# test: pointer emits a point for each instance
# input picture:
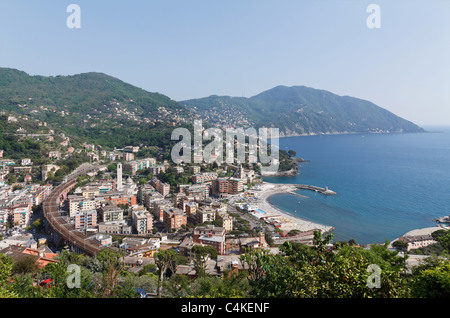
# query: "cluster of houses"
(106, 207)
(7, 166)
(16, 204)
(98, 207)
(22, 246)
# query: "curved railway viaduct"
(62, 230)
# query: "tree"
(444, 240)
(164, 259)
(12, 179)
(38, 224)
(322, 271)
(26, 265)
(292, 153)
(112, 167)
(201, 255)
(150, 268)
(438, 233)
(112, 267)
(432, 282)
(60, 276)
(6, 265)
(402, 245)
(232, 285)
(178, 286)
(269, 239)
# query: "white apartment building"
(142, 220)
(78, 204)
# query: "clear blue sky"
(195, 48)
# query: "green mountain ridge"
(101, 109)
(76, 92)
(92, 106)
(300, 110)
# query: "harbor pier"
(325, 190)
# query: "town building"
(174, 218)
(78, 203)
(242, 244)
(55, 154)
(6, 163)
(212, 236)
(142, 220)
(41, 256)
(225, 186)
(157, 169)
(46, 169)
(102, 239)
(133, 166)
(111, 212)
(205, 214)
(198, 191)
(116, 227)
(191, 209)
(148, 249)
(143, 190)
(22, 170)
(131, 149)
(160, 186)
(158, 207)
(178, 169)
(26, 162)
(204, 177)
(417, 241)
(150, 198)
(21, 214)
(194, 169)
(227, 220)
(83, 220)
(128, 156)
(121, 198)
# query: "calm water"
(386, 184)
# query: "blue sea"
(386, 184)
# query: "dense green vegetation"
(16, 148)
(95, 107)
(80, 93)
(287, 161)
(303, 110)
(299, 271)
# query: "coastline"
(282, 135)
(288, 221)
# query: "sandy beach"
(288, 221)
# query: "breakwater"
(325, 190)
